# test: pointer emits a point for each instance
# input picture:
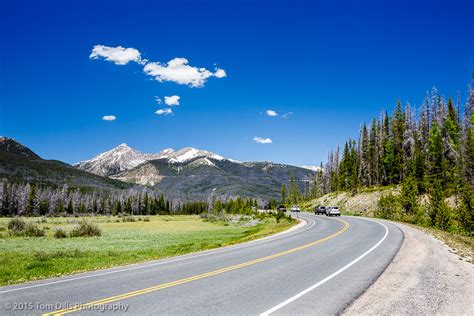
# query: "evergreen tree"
(315, 187)
(32, 202)
(283, 194)
(373, 157)
(364, 171)
(398, 132)
(440, 214)
(128, 206)
(435, 152)
(465, 209)
(70, 208)
(409, 196)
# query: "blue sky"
(333, 64)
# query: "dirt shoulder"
(425, 278)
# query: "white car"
(295, 208)
(333, 211)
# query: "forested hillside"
(426, 150)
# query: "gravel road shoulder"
(425, 278)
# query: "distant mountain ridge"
(19, 163)
(188, 174)
(194, 174)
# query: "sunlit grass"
(23, 259)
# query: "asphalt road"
(319, 268)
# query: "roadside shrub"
(389, 207)
(212, 217)
(16, 224)
(466, 205)
(279, 216)
(85, 229)
(42, 220)
(18, 227)
(31, 230)
(440, 213)
(60, 233)
(128, 219)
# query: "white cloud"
(261, 140)
(178, 70)
(271, 113)
(167, 111)
(287, 115)
(172, 100)
(109, 117)
(118, 55)
(220, 73)
(158, 100)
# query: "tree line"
(31, 199)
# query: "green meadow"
(122, 241)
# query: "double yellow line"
(95, 304)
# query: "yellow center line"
(95, 304)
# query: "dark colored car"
(281, 208)
(320, 210)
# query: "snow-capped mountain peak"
(115, 160)
(124, 157)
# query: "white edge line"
(306, 291)
(202, 254)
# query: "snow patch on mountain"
(203, 162)
(313, 168)
(190, 153)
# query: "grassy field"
(28, 258)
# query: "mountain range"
(195, 174)
(185, 174)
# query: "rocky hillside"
(203, 178)
(12, 146)
(362, 203)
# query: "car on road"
(320, 210)
(281, 208)
(295, 208)
(333, 211)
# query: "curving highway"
(318, 268)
